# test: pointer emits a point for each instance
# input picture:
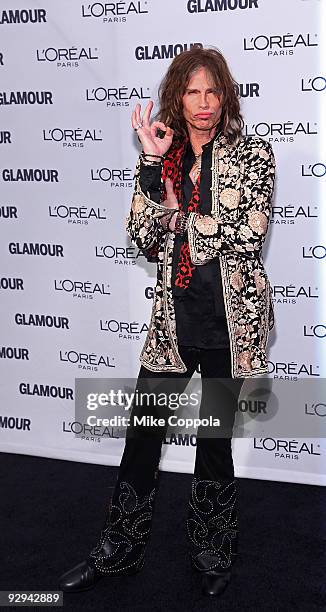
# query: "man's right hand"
(152, 144)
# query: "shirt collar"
(207, 146)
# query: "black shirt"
(199, 309)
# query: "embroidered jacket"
(242, 187)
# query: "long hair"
(175, 82)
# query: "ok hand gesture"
(147, 133)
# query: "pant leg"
(121, 547)
(212, 519)
(142, 451)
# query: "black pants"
(212, 519)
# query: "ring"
(139, 125)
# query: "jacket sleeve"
(143, 221)
(208, 236)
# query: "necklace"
(196, 169)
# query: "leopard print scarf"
(172, 169)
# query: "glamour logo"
(117, 96)
(289, 294)
(179, 439)
(114, 12)
(248, 90)
(205, 6)
(317, 252)
(286, 449)
(123, 256)
(30, 175)
(149, 293)
(86, 361)
(42, 390)
(36, 248)
(42, 320)
(316, 331)
(318, 170)
(281, 132)
(280, 44)
(5, 137)
(316, 409)
(14, 352)
(314, 84)
(252, 406)
(125, 330)
(11, 283)
(8, 212)
(72, 139)
(34, 15)
(163, 51)
(289, 214)
(19, 423)
(85, 290)
(115, 177)
(77, 215)
(25, 97)
(67, 57)
(291, 370)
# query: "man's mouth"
(203, 115)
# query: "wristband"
(157, 161)
(181, 223)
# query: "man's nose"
(204, 100)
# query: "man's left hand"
(171, 202)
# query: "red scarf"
(172, 169)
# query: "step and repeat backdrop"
(75, 293)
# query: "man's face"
(202, 107)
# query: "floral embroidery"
(236, 280)
(244, 360)
(259, 282)
(222, 167)
(201, 256)
(240, 330)
(217, 244)
(207, 225)
(138, 203)
(233, 171)
(230, 198)
(257, 221)
(256, 363)
(246, 231)
(237, 242)
(263, 154)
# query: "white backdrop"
(70, 76)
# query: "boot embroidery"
(212, 523)
(122, 543)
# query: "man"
(200, 209)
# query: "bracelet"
(181, 223)
(151, 162)
(152, 155)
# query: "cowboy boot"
(121, 546)
(212, 531)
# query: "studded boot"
(212, 532)
(122, 543)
